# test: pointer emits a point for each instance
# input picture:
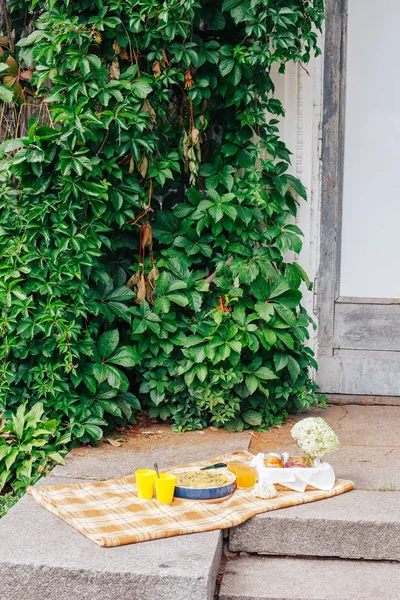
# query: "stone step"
(257, 578)
(41, 557)
(358, 525)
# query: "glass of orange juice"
(165, 487)
(232, 466)
(246, 476)
(145, 480)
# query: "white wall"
(301, 94)
(371, 196)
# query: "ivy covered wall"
(146, 209)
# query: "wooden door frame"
(333, 130)
(344, 372)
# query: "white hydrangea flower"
(315, 437)
(263, 489)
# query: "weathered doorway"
(358, 285)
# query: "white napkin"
(321, 477)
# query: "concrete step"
(256, 578)
(358, 524)
(41, 557)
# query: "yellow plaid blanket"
(110, 514)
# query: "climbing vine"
(146, 212)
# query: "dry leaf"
(154, 275)
(96, 35)
(143, 165)
(131, 165)
(141, 292)
(195, 135)
(147, 235)
(156, 68)
(119, 50)
(164, 62)
(133, 281)
(115, 71)
(115, 443)
(189, 81)
(147, 107)
(149, 291)
(18, 91)
(9, 80)
(26, 74)
(12, 65)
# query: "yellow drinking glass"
(232, 466)
(246, 476)
(145, 479)
(165, 487)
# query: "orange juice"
(232, 466)
(246, 476)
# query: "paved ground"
(141, 449)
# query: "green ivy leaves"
(6, 95)
(217, 173)
(166, 292)
(156, 117)
(145, 319)
(108, 354)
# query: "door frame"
(344, 372)
(333, 131)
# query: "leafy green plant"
(7, 501)
(28, 446)
(147, 209)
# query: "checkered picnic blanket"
(110, 514)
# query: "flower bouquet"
(315, 438)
